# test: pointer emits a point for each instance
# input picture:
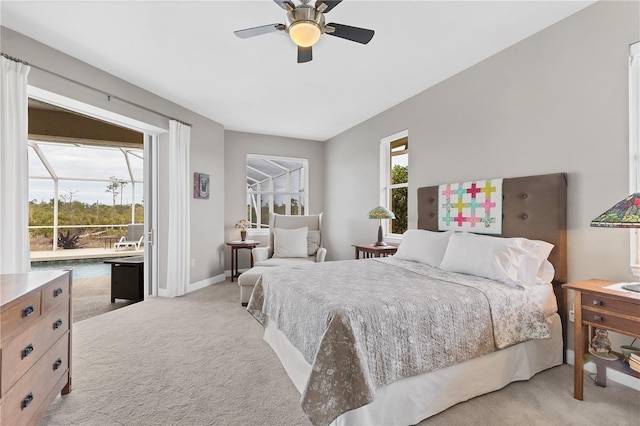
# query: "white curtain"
(14, 173)
(178, 240)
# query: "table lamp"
(381, 213)
(624, 214)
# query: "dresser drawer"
(22, 351)
(25, 398)
(609, 304)
(19, 314)
(610, 322)
(54, 293)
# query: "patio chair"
(134, 238)
(123, 243)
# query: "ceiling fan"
(305, 25)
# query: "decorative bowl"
(627, 350)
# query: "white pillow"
(290, 242)
(313, 242)
(510, 260)
(546, 273)
(420, 245)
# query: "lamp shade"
(304, 33)
(381, 213)
(625, 214)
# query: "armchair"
(264, 256)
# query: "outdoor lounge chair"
(134, 238)
(123, 243)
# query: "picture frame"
(200, 185)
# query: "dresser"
(35, 343)
(596, 306)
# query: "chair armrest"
(260, 254)
(320, 255)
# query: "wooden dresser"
(35, 343)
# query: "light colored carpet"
(200, 360)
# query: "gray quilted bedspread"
(363, 324)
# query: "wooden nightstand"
(369, 250)
(606, 309)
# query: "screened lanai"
(275, 184)
(88, 191)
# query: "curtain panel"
(178, 238)
(14, 170)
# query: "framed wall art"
(200, 185)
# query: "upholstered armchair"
(290, 243)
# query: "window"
(275, 184)
(394, 156)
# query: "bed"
(376, 353)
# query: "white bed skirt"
(410, 400)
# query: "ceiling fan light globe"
(305, 33)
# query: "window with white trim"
(278, 185)
(394, 164)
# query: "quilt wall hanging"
(471, 206)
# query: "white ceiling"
(186, 52)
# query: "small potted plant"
(242, 224)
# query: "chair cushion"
(278, 261)
(290, 242)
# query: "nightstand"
(370, 250)
(606, 309)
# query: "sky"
(75, 165)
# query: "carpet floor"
(200, 360)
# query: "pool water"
(81, 268)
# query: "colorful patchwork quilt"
(471, 206)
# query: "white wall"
(237, 146)
(207, 140)
(555, 102)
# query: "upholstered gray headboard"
(533, 207)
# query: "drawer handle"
(57, 364)
(28, 311)
(597, 302)
(27, 400)
(57, 324)
(597, 318)
(27, 350)
(57, 292)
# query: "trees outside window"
(395, 180)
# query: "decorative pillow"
(510, 260)
(290, 242)
(419, 245)
(313, 242)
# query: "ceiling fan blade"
(360, 35)
(305, 54)
(283, 4)
(330, 4)
(256, 31)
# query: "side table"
(605, 309)
(370, 250)
(235, 246)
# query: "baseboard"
(613, 375)
(206, 283)
(162, 292)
